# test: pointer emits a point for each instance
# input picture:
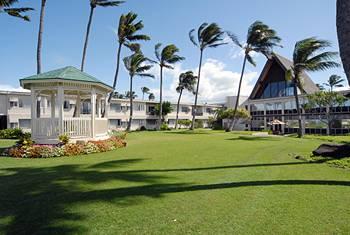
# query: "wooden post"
(98, 107)
(53, 106)
(78, 105)
(93, 112)
(60, 101)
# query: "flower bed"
(48, 151)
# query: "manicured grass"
(176, 183)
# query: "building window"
(66, 104)
(13, 104)
(24, 123)
(185, 109)
(86, 108)
(139, 107)
(13, 125)
(116, 107)
(20, 103)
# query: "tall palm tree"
(144, 90)
(6, 7)
(127, 36)
(40, 35)
(151, 97)
(260, 39)
(135, 65)
(334, 81)
(308, 56)
(208, 36)
(165, 59)
(93, 5)
(187, 82)
(343, 29)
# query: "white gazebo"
(67, 102)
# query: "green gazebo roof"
(68, 73)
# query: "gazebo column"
(93, 112)
(98, 107)
(33, 111)
(53, 106)
(78, 105)
(60, 101)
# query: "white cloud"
(11, 88)
(216, 83)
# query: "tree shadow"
(255, 138)
(36, 200)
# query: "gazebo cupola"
(53, 90)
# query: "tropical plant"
(184, 122)
(308, 56)
(144, 90)
(260, 39)
(135, 65)
(151, 97)
(93, 5)
(327, 100)
(334, 81)
(234, 116)
(116, 95)
(127, 36)
(165, 59)
(164, 110)
(343, 29)
(6, 7)
(128, 95)
(187, 82)
(320, 87)
(208, 36)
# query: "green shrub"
(25, 140)
(64, 139)
(164, 127)
(198, 124)
(15, 133)
(186, 123)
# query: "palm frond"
(192, 37)
(234, 39)
(157, 51)
(7, 3)
(105, 3)
(251, 60)
(16, 12)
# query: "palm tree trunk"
(177, 109)
(194, 110)
(300, 130)
(160, 119)
(238, 93)
(41, 27)
(131, 105)
(87, 38)
(343, 29)
(143, 95)
(116, 71)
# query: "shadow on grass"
(38, 200)
(255, 138)
(189, 132)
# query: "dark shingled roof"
(309, 86)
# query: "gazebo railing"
(77, 127)
(45, 127)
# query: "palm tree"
(343, 29)
(208, 36)
(6, 7)
(40, 35)
(334, 81)
(307, 56)
(128, 95)
(320, 87)
(135, 65)
(93, 5)
(165, 59)
(187, 82)
(144, 90)
(151, 97)
(127, 35)
(260, 39)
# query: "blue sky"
(166, 22)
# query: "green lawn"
(176, 183)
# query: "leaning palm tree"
(135, 65)
(144, 90)
(307, 56)
(260, 39)
(165, 59)
(208, 36)
(6, 7)
(127, 35)
(343, 29)
(93, 5)
(334, 81)
(187, 82)
(40, 35)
